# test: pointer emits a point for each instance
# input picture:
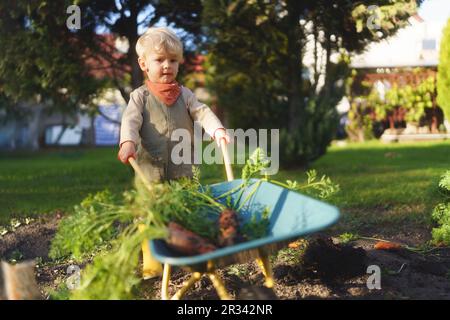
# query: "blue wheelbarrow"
(291, 215)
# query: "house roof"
(112, 63)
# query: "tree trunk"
(88, 134)
(434, 122)
(327, 64)
(129, 30)
(434, 119)
(34, 126)
(294, 54)
(316, 58)
(360, 135)
(136, 72)
(391, 121)
(19, 282)
(295, 105)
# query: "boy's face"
(160, 67)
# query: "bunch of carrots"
(190, 243)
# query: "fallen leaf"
(296, 244)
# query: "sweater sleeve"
(132, 118)
(201, 112)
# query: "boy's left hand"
(221, 134)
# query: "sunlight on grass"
(371, 175)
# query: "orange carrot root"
(187, 242)
(228, 228)
(384, 245)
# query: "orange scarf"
(167, 93)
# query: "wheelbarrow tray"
(291, 215)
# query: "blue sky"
(435, 10)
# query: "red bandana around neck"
(168, 93)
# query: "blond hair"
(160, 40)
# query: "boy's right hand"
(127, 150)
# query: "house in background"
(416, 45)
(105, 125)
(408, 58)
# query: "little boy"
(159, 107)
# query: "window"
(429, 44)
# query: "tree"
(443, 77)
(41, 56)
(124, 18)
(261, 47)
(24, 21)
(44, 61)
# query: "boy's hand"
(126, 151)
(220, 134)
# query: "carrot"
(228, 228)
(384, 245)
(187, 242)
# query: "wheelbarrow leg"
(151, 267)
(264, 263)
(218, 284)
(165, 282)
(215, 279)
(187, 285)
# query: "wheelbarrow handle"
(226, 159)
(140, 173)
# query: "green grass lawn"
(393, 186)
(38, 183)
(381, 184)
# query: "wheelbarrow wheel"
(257, 293)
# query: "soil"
(30, 241)
(326, 269)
